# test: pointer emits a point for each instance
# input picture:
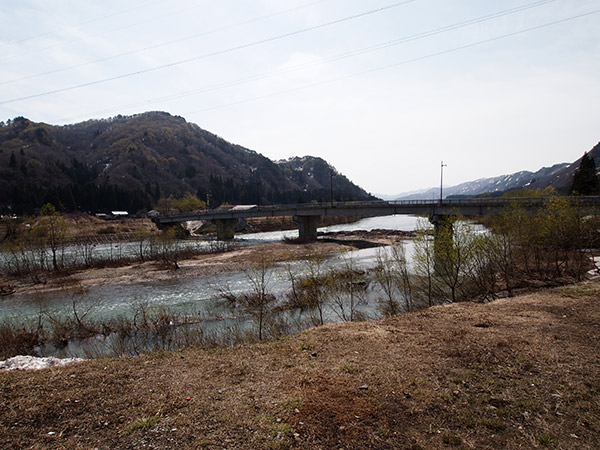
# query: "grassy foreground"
(517, 373)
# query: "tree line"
(87, 195)
(46, 246)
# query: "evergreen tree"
(585, 180)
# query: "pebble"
(364, 387)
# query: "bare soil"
(518, 373)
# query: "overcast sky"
(382, 89)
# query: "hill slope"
(128, 162)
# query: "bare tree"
(310, 289)
(54, 229)
(386, 278)
(169, 247)
(347, 289)
(424, 266)
(258, 300)
(454, 250)
(392, 274)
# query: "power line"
(97, 19)
(337, 57)
(400, 63)
(163, 44)
(207, 55)
(24, 54)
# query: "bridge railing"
(478, 202)
(497, 201)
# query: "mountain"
(562, 179)
(558, 176)
(128, 162)
(313, 174)
(495, 185)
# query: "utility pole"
(331, 186)
(442, 181)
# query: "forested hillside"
(128, 163)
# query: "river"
(196, 296)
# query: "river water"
(198, 296)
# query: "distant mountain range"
(559, 176)
(129, 162)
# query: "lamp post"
(442, 180)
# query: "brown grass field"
(518, 373)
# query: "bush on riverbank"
(523, 250)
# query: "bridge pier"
(225, 230)
(307, 227)
(442, 223)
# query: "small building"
(113, 215)
(242, 207)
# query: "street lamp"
(442, 180)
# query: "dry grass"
(519, 373)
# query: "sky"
(383, 90)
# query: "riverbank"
(235, 260)
(222, 259)
(208, 258)
(515, 373)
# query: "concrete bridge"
(307, 215)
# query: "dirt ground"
(518, 373)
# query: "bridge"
(307, 215)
